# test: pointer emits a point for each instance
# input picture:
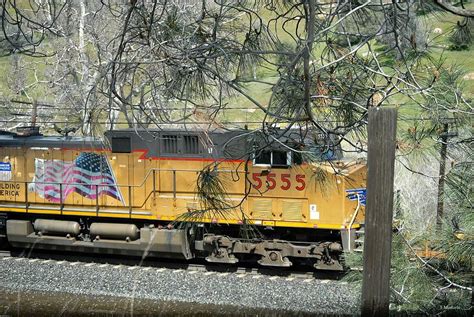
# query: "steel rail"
(155, 263)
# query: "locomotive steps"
(359, 241)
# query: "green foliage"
(424, 7)
(403, 33)
(212, 198)
(214, 204)
(462, 35)
(354, 28)
(414, 287)
(432, 272)
(256, 40)
(456, 237)
(354, 260)
(446, 103)
(288, 95)
(211, 190)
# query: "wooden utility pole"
(444, 136)
(442, 172)
(378, 218)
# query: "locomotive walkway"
(130, 289)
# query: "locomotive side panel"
(284, 197)
(278, 194)
(65, 156)
(355, 192)
(177, 187)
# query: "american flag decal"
(88, 175)
(357, 194)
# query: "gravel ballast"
(135, 284)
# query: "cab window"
(273, 158)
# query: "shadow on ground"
(14, 303)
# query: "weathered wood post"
(442, 172)
(378, 218)
(444, 136)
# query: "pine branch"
(426, 264)
(454, 10)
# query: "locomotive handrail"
(130, 204)
(122, 185)
(352, 222)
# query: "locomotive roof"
(226, 143)
(13, 140)
(178, 128)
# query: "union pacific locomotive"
(276, 197)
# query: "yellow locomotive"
(272, 197)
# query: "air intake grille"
(170, 144)
(191, 145)
(261, 209)
(292, 210)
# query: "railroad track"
(160, 265)
(231, 290)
